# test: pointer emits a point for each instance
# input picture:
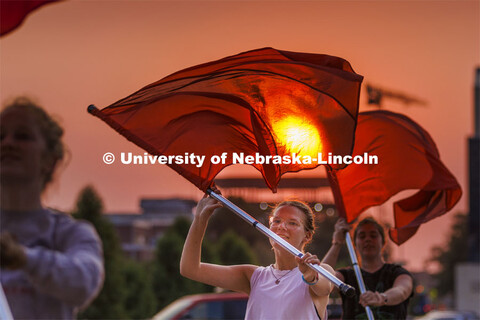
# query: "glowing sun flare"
(298, 136)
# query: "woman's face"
(368, 241)
(22, 149)
(289, 223)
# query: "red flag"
(264, 102)
(13, 12)
(408, 159)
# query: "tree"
(180, 227)
(447, 256)
(223, 220)
(110, 302)
(233, 249)
(140, 302)
(168, 284)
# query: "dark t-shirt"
(380, 281)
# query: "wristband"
(310, 283)
(385, 298)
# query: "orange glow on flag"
(409, 160)
(298, 136)
(264, 102)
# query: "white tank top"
(289, 299)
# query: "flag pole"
(358, 272)
(345, 288)
(5, 313)
(332, 178)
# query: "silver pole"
(358, 272)
(476, 104)
(5, 313)
(345, 288)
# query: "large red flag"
(261, 103)
(408, 159)
(12, 12)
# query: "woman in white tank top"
(287, 289)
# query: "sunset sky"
(70, 54)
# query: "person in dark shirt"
(389, 286)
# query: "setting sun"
(298, 136)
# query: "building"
(139, 232)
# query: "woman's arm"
(75, 273)
(341, 228)
(399, 292)
(319, 285)
(235, 278)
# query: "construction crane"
(376, 95)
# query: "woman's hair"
(51, 131)
(372, 221)
(309, 222)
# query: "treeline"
(134, 290)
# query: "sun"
(298, 136)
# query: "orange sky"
(74, 53)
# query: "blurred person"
(287, 289)
(389, 286)
(51, 265)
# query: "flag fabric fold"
(251, 103)
(408, 159)
(13, 12)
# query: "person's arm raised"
(341, 228)
(235, 278)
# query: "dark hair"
(309, 223)
(51, 131)
(372, 221)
